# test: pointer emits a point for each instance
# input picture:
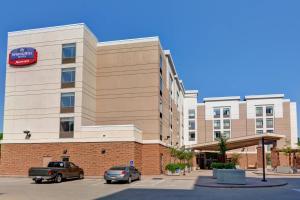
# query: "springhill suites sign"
(23, 56)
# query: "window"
(191, 125)
(171, 120)
(217, 134)
(171, 85)
(160, 63)
(259, 111)
(160, 107)
(217, 124)
(265, 119)
(226, 134)
(269, 123)
(160, 130)
(161, 85)
(226, 112)
(67, 102)
(226, 124)
(217, 112)
(192, 114)
(192, 136)
(66, 127)
(269, 110)
(68, 53)
(259, 123)
(68, 78)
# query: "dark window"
(269, 110)
(160, 85)
(160, 63)
(226, 112)
(217, 134)
(66, 127)
(160, 130)
(56, 164)
(68, 53)
(67, 102)
(192, 136)
(68, 78)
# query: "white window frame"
(265, 117)
(221, 118)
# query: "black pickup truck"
(56, 171)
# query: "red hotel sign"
(23, 56)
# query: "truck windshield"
(56, 164)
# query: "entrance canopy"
(240, 142)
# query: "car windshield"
(56, 164)
(118, 168)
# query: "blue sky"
(220, 47)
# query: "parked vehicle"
(56, 171)
(122, 173)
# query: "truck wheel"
(81, 176)
(108, 181)
(58, 178)
(38, 181)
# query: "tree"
(235, 158)
(1, 136)
(298, 143)
(222, 148)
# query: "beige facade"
(121, 93)
(117, 83)
(256, 114)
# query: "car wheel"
(129, 179)
(38, 181)
(58, 178)
(81, 175)
(108, 181)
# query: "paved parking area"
(149, 187)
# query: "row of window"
(224, 111)
(226, 124)
(67, 99)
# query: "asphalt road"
(167, 188)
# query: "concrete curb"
(241, 186)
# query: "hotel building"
(96, 103)
(234, 118)
(121, 102)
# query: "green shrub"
(172, 167)
(229, 165)
(1, 136)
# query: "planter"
(215, 173)
(231, 176)
(176, 173)
(286, 170)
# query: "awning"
(239, 142)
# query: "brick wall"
(16, 159)
(246, 160)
